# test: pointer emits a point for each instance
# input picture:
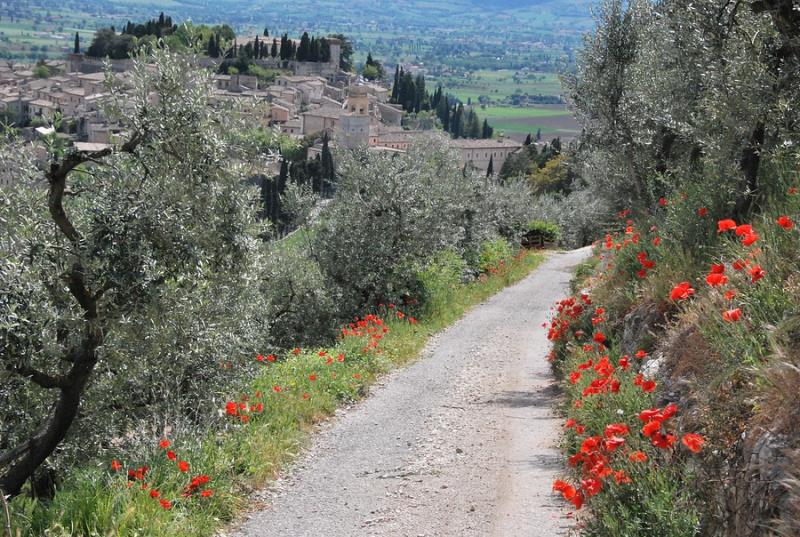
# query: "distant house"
(478, 153)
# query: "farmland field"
(553, 121)
(500, 84)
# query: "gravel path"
(461, 443)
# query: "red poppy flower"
(726, 225)
(732, 315)
(570, 423)
(357, 376)
(296, 351)
(312, 378)
(785, 222)
(624, 362)
(271, 358)
(743, 229)
(740, 264)
(693, 441)
(580, 429)
(663, 441)
(669, 411)
(622, 478)
(637, 456)
(574, 377)
(616, 429)
(207, 493)
(702, 211)
(663, 202)
(648, 386)
(599, 338)
(171, 455)
(591, 486)
(306, 396)
(715, 279)
(656, 241)
(650, 414)
(756, 273)
(164, 444)
(116, 465)
(730, 294)
(792, 191)
(166, 504)
(259, 358)
(340, 358)
(154, 493)
(183, 466)
(276, 389)
(682, 291)
(231, 408)
(749, 239)
(650, 428)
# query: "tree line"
(456, 119)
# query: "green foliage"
(41, 70)
(439, 279)
(540, 232)
(494, 254)
(393, 212)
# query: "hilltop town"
(314, 100)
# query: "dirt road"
(461, 443)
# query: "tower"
(355, 122)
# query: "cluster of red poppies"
(195, 486)
(245, 407)
(598, 457)
(717, 276)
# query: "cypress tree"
(490, 169)
(487, 131)
(256, 48)
(211, 49)
(528, 140)
(395, 84)
(419, 93)
(284, 53)
(266, 32)
(328, 172)
(539, 135)
(77, 48)
(304, 50)
(274, 51)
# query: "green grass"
(241, 456)
(499, 84)
(509, 112)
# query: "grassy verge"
(192, 484)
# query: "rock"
(639, 326)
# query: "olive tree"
(393, 212)
(124, 272)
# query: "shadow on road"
(545, 397)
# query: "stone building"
(478, 153)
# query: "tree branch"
(38, 377)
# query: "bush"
(494, 255)
(443, 274)
(540, 232)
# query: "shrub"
(494, 255)
(443, 274)
(540, 232)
